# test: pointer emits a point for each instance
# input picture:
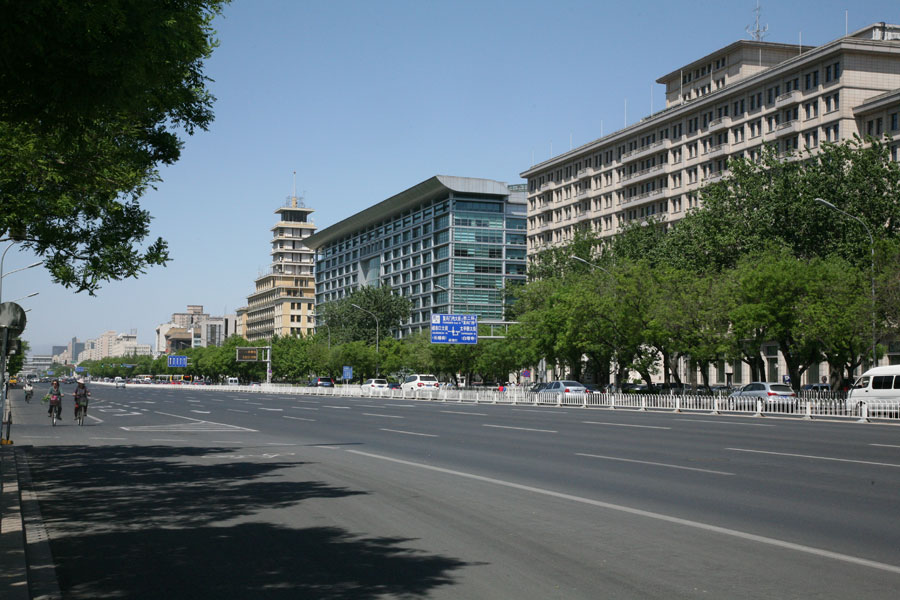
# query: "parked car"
(323, 382)
(779, 397)
(879, 388)
(393, 385)
(420, 382)
(375, 383)
(816, 387)
(565, 387)
(538, 387)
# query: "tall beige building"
(283, 302)
(726, 104)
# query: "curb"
(14, 576)
(41, 568)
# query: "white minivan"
(879, 388)
(233, 381)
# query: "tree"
(92, 95)
(348, 323)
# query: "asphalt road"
(190, 494)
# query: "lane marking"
(885, 445)
(537, 410)
(273, 409)
(341, 407)
(225, 442)
(164, 440)
(237, 410)
(847, 558)
(409, 432)
(384, 416)
(307, 401)
(625, 425)
(727, 422)
(460, 412)
(846, 460)
(402, 405)
(304, 408)
(255, 403)
(520, 428)
(201, 412)
(296, 418)
(205, 422)
(658, 464)
(95, 418)
(279, 444)
(108, 438)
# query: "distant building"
(449, 244)
(193, 316)
(111, 343)
(283, 300)
(200, 329)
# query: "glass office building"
(449, 244)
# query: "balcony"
(788, 127)
(651, 195)
(788, 98)
(720, 123)
(717, 150)
(646, 150)
(640, 175)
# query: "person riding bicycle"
(56, 393)
(29, 390)
(81, 397)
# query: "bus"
(175, 379)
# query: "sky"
(364, 99)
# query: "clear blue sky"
(364, 99)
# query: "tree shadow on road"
(146, 521)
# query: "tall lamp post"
(872, 267)
(615, 333)
(377, 372)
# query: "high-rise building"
(449, 244)
(725, 104)
(283, 301)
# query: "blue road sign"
(348, 373)
(177, 361)
(79, 369)
(454, 329)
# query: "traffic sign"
(177, 361)
(454, 329)
(348, 373)
(79, 369)
(247, 354)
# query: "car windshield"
(571, 383)
(778, 387)
(379, 381)
(428, 378)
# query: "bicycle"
(80, 412)
(55, 408)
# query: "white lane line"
(280, 444)
(846, 460)
(108, 438)
(847, 558)
(237, 410)
(658, 464)
(40, 437)
(273, 409)
(537, 410)
(297, 418)
(402, 405)
(625, 425)
(520, 428)
(205, 422)
(341, 407)
(255, 403)
(164, 440)
(409, 432)
(225, 442)
(201, 412)
(727, 422)
(385, 416)
(304, 408)
(460, 412)
(307, 401)
(885, 445)
(95, 418)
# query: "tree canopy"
(93, 97)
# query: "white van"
(232, 381)
(879, 388)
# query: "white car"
(879, 388)
(420, 382)
(375, 383)
(120, 383)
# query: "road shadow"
(146, 521)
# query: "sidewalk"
(26, 564)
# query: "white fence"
(807, 408)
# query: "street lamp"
(2, 274)
(615, 332)
(872, 266)
(376, 333)
(31, 295)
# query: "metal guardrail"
(811, 407)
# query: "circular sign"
(12, 317)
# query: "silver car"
(566, 387)
(776, 397)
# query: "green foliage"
(91, 97)
(347, 323)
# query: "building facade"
(283, 301)
(449, 244)
(726, 104)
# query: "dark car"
(393, 385)
(323, 382)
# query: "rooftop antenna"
(294, 192)
(756, 33)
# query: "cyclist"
(57, 393)
(29, 390)
(81, 397)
